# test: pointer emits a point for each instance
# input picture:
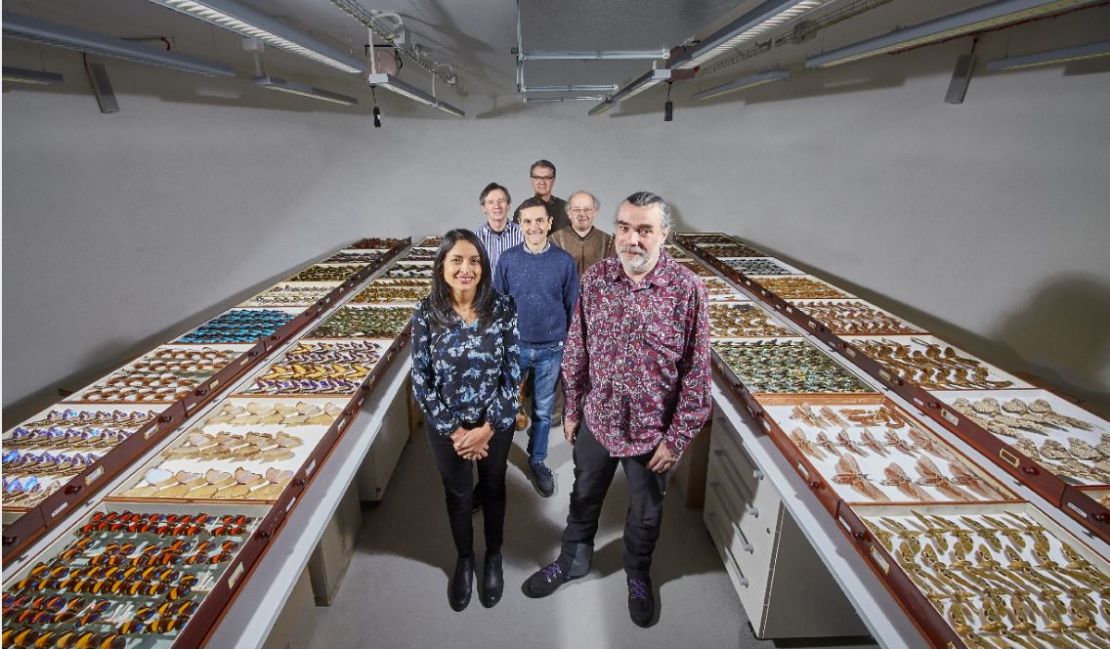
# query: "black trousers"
(594, 469)
(457, 475)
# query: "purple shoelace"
(637, 589)
(552, 572)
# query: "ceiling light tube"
(992, 15)
(303, 90)
(751, 81)
(31, 77)
(607, 88)
(601, 108)
(395, 85)
(606, 55)
(241, 19)
(44, 33)
(764, 18)
(1065, 55)
(649, 79)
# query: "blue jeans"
(544, 363)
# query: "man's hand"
(570, 429)
(662, 460)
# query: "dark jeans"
(458, 489)
(594, 469)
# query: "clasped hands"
(472, 444)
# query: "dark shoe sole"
(524, 588)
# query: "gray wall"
(985, 222)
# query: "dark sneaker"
(543, 480)
(641, 601)
(545, 581)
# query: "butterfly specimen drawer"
(988, 575)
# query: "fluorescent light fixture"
(601, 108)
(303, 90)
(241, 19)
(603, 55)
(650, 79)
(395, 85)
(44, 33)
(740, 84)
(31, 77)
(1066, 55)
(992, 15)
(647, 80)
(607, 88)
(758, 22)
(552, 100)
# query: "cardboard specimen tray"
(384, 292)
(757, 266)
(743, 320)
(855, 318)
(364, 321)
(410, 269)
(356, 256)
(701, 238)
(719, 290)
(164, 375)
(1060, 436)
(291, 294)
(420, 253)
(135, 574)
(320, 368)
(44, 453)
(933, 364)
(785, 370)
(986, 575)
(879, 453)
(247, 451)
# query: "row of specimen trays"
(158, 558)
(969, 560)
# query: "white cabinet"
(373, 477)
(785, 589)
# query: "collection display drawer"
(932, 364)
(869, 453)
(784, 366)
(987, 575)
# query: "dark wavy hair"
(441, 304)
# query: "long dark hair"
(439, 299)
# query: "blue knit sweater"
(545, 288)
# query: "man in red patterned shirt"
(636, 371)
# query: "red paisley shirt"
(637, 358)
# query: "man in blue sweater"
(543, 281)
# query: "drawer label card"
(950, 417)
(91, 478)
(235, 575)
(883, 564)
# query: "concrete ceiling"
(475, 37)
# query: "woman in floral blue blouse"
(465, 375)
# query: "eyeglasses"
(582, 211)
(544, 178)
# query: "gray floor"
(394, 593)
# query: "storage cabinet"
(785, 589)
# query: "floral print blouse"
(467, 373)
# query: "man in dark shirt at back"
(542, 175)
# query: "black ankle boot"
(458, 591)
(493, 581)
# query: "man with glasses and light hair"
(636, 372)
(587, 244)
(543, 183)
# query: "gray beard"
(637, 265)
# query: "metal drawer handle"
(724, 546)
(737, 484)
(724, 503)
